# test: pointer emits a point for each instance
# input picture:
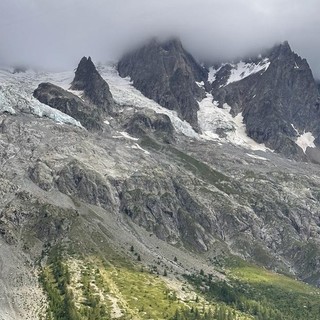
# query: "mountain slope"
(166, 200)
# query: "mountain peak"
(285, 44)
(279, 101)
(281, 50)
(85, 65)
(285, 47)
(172, 44)
(166, 73)
(95, 88)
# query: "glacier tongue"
(16, 95)
(5, 102)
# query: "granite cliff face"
(166, 73)
(278, 103)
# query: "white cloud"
(57, 33)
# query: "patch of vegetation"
(92, 288)
(148, 297)
(55, 278)
(56, 281)
(218, 313)
(145, 294)
(85, 288)
(149, 143)
(263, 294)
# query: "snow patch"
(297, 132)
(216, 122)
(127, 136)
(212, 74)
(200, 84)
(136, 146)
(242, 70)
(306, 140)
(256, 157)
(78, 93)
(240, 137)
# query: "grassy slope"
(261, 293)
(103, 284)
(295, 299)
(100, 289)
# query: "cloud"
(57, 33)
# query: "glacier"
(16, 94)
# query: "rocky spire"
(94, 87)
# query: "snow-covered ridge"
(16, 94)
(240, 70)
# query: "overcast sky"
(57, 33)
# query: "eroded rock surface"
(166, 73)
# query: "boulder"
(148, 122)
(65, 101)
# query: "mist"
(56, 34)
